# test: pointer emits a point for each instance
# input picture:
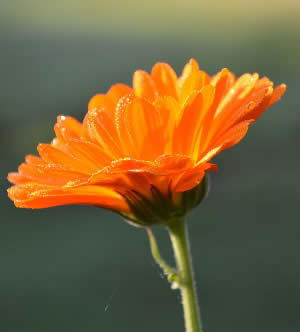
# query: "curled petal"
(192, 177)
(37, 196)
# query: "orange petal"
(90, 152)
(163, 165)
(191, 178)
(194, 82)
(16, 178)
(37, 196)
(231, 137)
(241, 98)
(256, 112)
(143, 85)
(117, 91)
(173, 163)
(191, 67)
(75, 127)
(250, 103)
(101, 101)
(168, 109)
(237, 94)
(165, 80)
(123, 176)
(139, 127)
(31, 159)
(225, 121)
(222, 82)
(138, 175)
(224, 72)
(48, 174)
(190, 123)
(127, 165)
(53, 155)
(277, 94)
(101, 129)
(234, 134)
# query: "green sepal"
(160, 209)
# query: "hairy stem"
(168, 271)
(179, 238)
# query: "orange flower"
(142, 144)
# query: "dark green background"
(83, 269)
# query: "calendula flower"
(143, 151)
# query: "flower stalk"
(171, 273)
(182, 278)
(180, 242)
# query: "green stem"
(178, 234)
(168, 271)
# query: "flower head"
(144, 146)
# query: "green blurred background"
(83, 269)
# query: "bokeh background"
(83, 269)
